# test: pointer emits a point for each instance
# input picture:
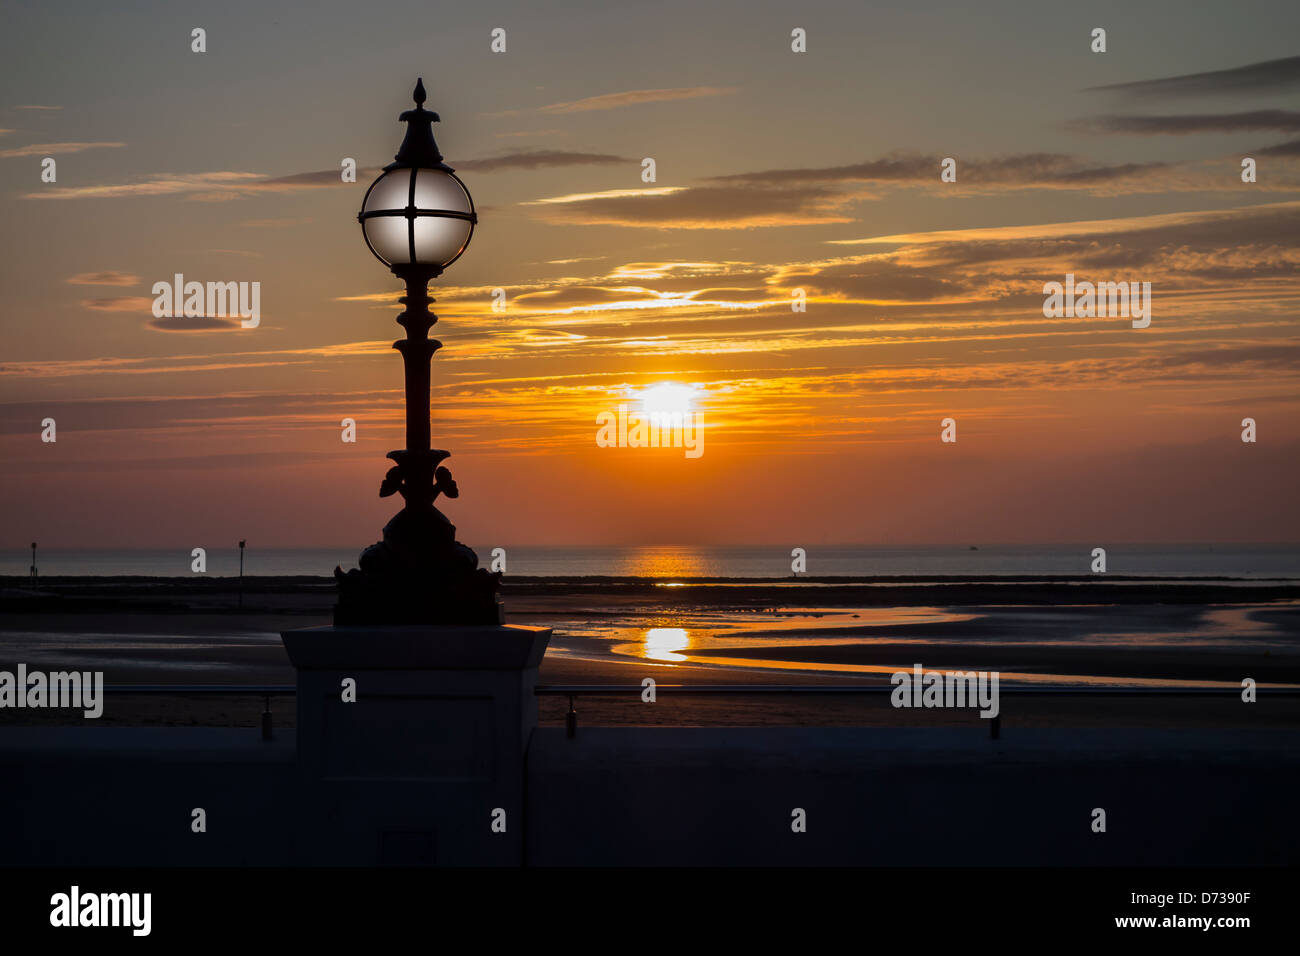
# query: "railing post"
(266, 718)
(571, 721)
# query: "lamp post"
(417, 218)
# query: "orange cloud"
(125, 303)
(54, 149)
(108, 277)
(612, 101)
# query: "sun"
(667, 398)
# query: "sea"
(1251, 562)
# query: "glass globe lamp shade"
(417, 215)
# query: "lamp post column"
(417, 356)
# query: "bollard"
(266, 720)
(571, 721)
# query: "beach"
(1134, 634)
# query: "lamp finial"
(418, 148)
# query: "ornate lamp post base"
(419, 573)
(446, 589)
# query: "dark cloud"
(1267, 76)
(1100, 175)
(538, 158)
(881, 280)
(1282, 149)
(1249, 248)
(524, 159)
(1017, 171)
(196, 323)
(322, 177)
(1239, 228)
(1286, 121)
(1273, 224)
(1281, 355)
(897, 168)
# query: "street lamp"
(417, 218)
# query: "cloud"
(881, 281)
(275, 223)
(312, 180)
(230, 184)
(208, 187)
(1285, 121)
(811, 195)
(698, 207)
(545, 337)
(54, 149)
(577, 295)
(1019, 171)
(194, 363)
(121, 303)
(1267, 221)
(538, 158)
(108, 277)
(613, 101)
(137, 413)
(1282, 149)
(517, 134)
(1263, 77)
(160, 185)
(195, 323)
(1240, 252)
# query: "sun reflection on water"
(663, 562)
(662, 643)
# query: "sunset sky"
(775, 170)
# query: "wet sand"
(188, 632)
(1207, 665)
